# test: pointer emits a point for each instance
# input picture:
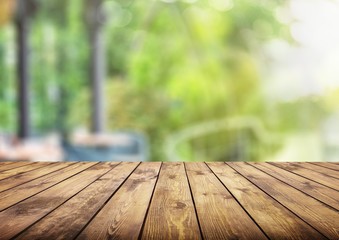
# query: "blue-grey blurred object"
(136, 150)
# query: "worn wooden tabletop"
(169, 200)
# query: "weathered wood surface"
(171, 214)
(314, 189)
(313, 175)
(169, 200)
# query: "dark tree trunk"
(22, 26)
(97, 75)
(97, 64)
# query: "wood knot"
(180, 205)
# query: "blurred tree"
(95, 19)
(169, 64)
(24, 12)
(58, 27)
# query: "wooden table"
(157, 200)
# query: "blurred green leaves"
(170, 64)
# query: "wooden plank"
(219, 214)
(20, 216)
(123, 215)
(60, 224)
(312, 175)
(31, 175)
(317, 214)
(14, 165)
(327, 165)
(320, 169)
(11, 165)
(314, 189)
(5, 163)
(21, 192)
(274, 219)
(171, 214)
(21, 170)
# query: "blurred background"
(169, 80)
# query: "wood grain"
(85, 200)
(20, 216)
(220, 215)
(275, 220)
(123, 215)
(312, 175)
(19, 193)
(171, 214)
(314, 189)
(320, 169)
(62, 225)
(3, 164)
(327, 165)
(21, 170)
(29, 176)
(10, 165)
(315, 213)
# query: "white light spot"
(221, 5)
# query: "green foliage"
(194, 55)
(169, 66)
(7, 82)
(146, 111)
(303, 114)
(64, 58)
